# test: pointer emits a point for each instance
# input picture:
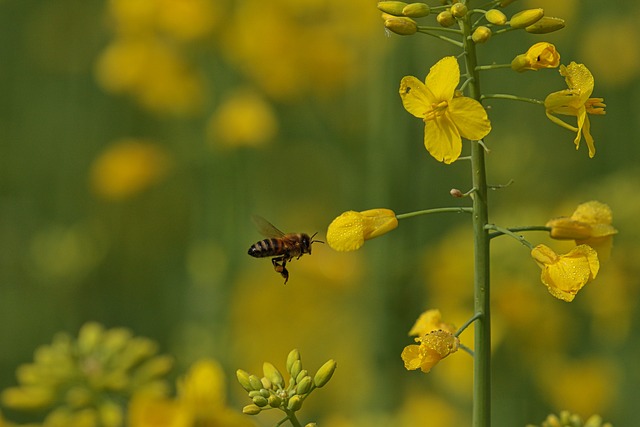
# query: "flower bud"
(243, 379)
(401, 25)
(260, 401)
(445, 19)
(295, 369)
(392, 7)
(416, 10)
(481, 34)
(303, 373)
(266, 383)
(311, 425)
(496, 17)
(526, 17)
(505, 3)
(295, 403)
(255, 382)
(456, 193)
(272, 374)
(459, 10)
(264, 393)
(304, 386)
(325, 373)
(292, 357)
(545, 25)
(251, 410)
(274, 401)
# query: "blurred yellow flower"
(575, 101)
(127, 167)
(433, 347)
(564, 275)
(201, 401)
(429, 321)
(540, 55)
(590, 224)
(349, 231)
(446, 117)
(244, 119)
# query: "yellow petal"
(411, 357)
(578, 77)
(443, 78)
(586, 131)
(470, 117)
(442, 139)
(416, 97)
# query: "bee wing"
(265, 227)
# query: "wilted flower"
(349, 231)
(540, 55)
(564, 275)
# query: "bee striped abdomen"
(266, 248)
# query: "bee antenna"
(314, 241)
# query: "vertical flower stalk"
(482, 338)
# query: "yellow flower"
(349, 231)
(429, 321)
(575, 101)
(540, 55)
(433, 347)
(590, 224)
(564, 275)
(128, 167)
(446, 117)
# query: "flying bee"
(283, 247)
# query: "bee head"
(308, 241)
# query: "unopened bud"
(292, 357)
(295, 369)
(496, 17)
(459, 10)
(325, 373)
(526, 17)
(274, 401)
(304, 386)
(243, 379)
(272, 374)
(266, 383)
(251, 409)
(401, 25)
(416, 10)
(545, 25)
(392, 7)
(456, 193)
(255, 382)
(505, 3)
(295, 403)
(311, 425)
(445, 19)
(260, 401)
(481, 34)
(303, 373)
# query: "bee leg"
(280, 267)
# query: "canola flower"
(431, 349)
(576, 101)
(590, 224)
(567, 419)
(538, 56)
(447, 117)
(429, 321)
(564, 275)
(87, 381)
(349, 231)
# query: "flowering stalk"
(482, 339)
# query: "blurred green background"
(138, 137)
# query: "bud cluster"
(567, 419)
(271, 390)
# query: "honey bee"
(283, 247)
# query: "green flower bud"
(304, 386)
(254, 393)
(402, 25)
(264, 393)
(416, 10)
(266, 383)
(505, 3)
(294, 356)
(272, 374)
(261, 401)
(496, 17)
(243, 379)
(303, 373)
(274, 401)
(481, 34)
(295, 369)
(325, 373)
(251, 410)
(295, 403)
(545, 25)
(445, 19)
(255, 382)
(311, 425)
(459, 10)
(392, 7)
(526, 17)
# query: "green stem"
(492, 67)
(511, 97)
(511, 232)
(467, 323)
(482, 338)
(432, 211)
(291, 416)
(424, 30)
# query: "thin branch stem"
(424, 30)
(521, 228)
(501, 230)
(467, 324)
(511, 98)
(432, 211)
(492, 67)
